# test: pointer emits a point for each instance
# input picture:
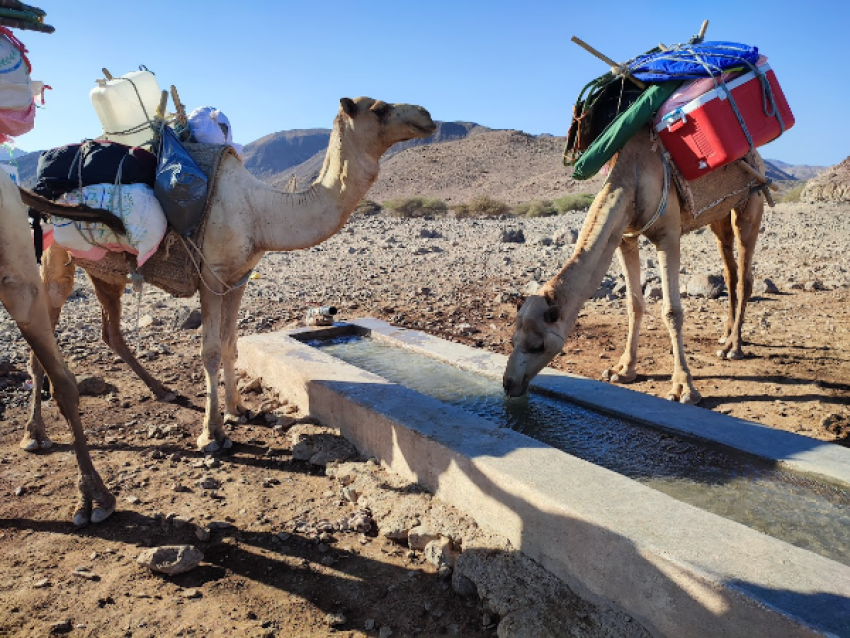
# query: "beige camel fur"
(626, 203)
(23, 296)
(247, 218)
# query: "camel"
(246, 219)
(24, 297)
(627, 202)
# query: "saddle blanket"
(135, 204)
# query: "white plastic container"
(119, 107)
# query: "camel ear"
(348, 106)
(381, 109)
(551, 315)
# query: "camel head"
(539, 336)
(376, 125)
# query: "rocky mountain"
(800, 171)
(832, 185)
(283, 166)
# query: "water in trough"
(790, 506)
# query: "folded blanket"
(135, 204)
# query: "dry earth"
(258, 513)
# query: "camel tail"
(80, 213)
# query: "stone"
(765, 286)
(512, 236)
(439, 552)
(171, 559)
(418, 537)
(91, 386)
(705, 285)
(188, 318)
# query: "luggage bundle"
(711, 103)
(138, 169)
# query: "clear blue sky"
(276, 65)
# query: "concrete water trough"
(677, 568)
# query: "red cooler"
(705, 134)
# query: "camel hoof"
(237, 419)
(690, 398)
(721, 354)
(100, 514)
(81, 517)
(732, 355)
(215, 447)
(33, 445)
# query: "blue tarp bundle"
(692, 61)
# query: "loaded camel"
(246, 219)
(626, 203)
(24, 297)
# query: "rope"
(148, 123)
(227, 288)
(138, 280)
(662, 204)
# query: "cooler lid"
(717, 92)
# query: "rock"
(335, 620)
(811, 286)
(565, 236)
(765, 287)
(209, 483)
(439, 552)
(5, 367)
(188, 318)
(531, 288)
(192, 593)
(463, 586)
(62, 627)
(385, 632)
(146, 321)
(653, 291)
(91, 386)
(512, 236)
(418, 537)
(171, 559)
(705, 285)
(202, 534)
(369, 625)
(319, 446)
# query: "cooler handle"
(674, 120)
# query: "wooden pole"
(163, 100)
(615, 68)
(766, 185)
(178, 105)
(761, 178)
(703, 29)
(107, 74)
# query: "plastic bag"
(211, 126)
(180, 185)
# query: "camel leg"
(57, 275)
(682, 389)
(109, 295)
(233, 407)
(724, 234)
(626, 369)
(746, 224)
(213, 438)
(22, 293)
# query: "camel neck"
(600, 235)
(289, 221)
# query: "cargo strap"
(662, 204)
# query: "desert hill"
(832, 185)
